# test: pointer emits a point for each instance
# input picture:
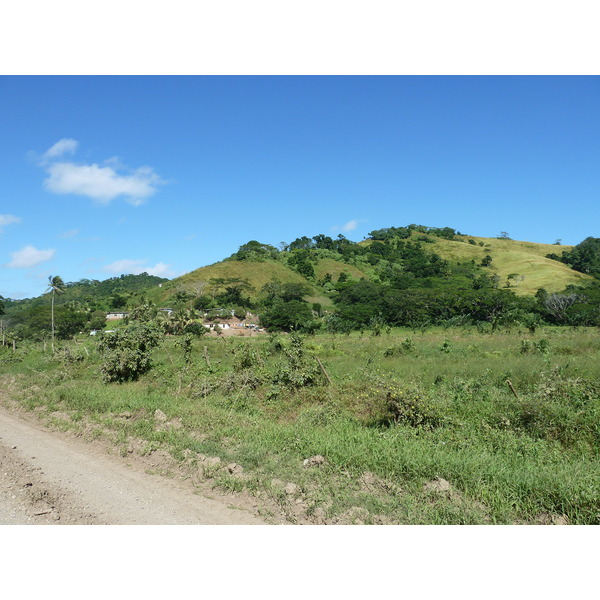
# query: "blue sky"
(110, 175)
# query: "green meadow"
(425, 426)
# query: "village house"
(115, 316)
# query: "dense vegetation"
(585, 257)
(80, 306)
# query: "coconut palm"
(55, 285)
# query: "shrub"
(410, 407)
(297, 369)
(407, 346)
(247, 356)
(196, 328)
(126, 352)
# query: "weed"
(410, 407)
(185, 343)
(407, 346)
(446, 346)
(435, 414)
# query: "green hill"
(257, 273)
(520, 264)
(400, 257)
(526, 260)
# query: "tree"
(557, 304)
(178, 322)
(287, 316)
(585, 257)
(97, 320)
(144, 312)
(300, 261)
(203, 303)
(301, 243)
(55, 285)
(255, 251)
(233, 288)
(275, 290)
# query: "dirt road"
(47, 478)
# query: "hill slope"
(257, 273)
(525, 263)
(527, 260)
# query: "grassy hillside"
(258, 273)
(525, 259)
(335, 268)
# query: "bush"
(410, 407)
(196, 328)
(247, 356)
(405, 347)
(126, 352)
(297, 369)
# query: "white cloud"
(64, 146)
(69, 234)
(8, 220)
(28, 257)
(135, 267)
(100, 183)
(350, 225)
(160, 269)
(124, 266)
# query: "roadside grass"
(398, 415)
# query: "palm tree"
(55, 285)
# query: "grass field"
(415, 427)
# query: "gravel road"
(49, 478)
